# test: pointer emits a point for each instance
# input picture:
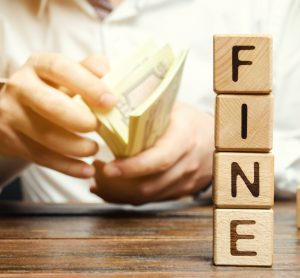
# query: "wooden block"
(244, 123)
(242, 64)
(243, 237)
(298, 207)
(243, 180)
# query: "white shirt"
(73, 28)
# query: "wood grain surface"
(97, 241)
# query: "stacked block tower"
(243, 186)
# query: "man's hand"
(179, 164)
(39, 121)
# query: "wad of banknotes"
(146, 86)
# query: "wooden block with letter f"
(243, 183)
(242, 64)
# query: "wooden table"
(99, 240)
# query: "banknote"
(150, 120)
(146, 85)
(136, 86)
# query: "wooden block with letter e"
(243, 180)
(242, 64)
(243, 237)
(244, 123)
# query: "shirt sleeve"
(281, 19)
(285, 19)
(9, 167)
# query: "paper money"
(149, 121)
(136, 86)
(146, 85)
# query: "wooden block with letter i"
(244, 123)
(243, 180)
(242, 64)
(243, 237)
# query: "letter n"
(237, 171)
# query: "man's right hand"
(39, 121)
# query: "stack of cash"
(146, 85)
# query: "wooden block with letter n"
(243, 180)
(244, 123)
(242, 64)
(243, 237)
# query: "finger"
(52, 136)
(152, 187)
(97, 64)
(178, 189)
(154, 160)
(40, 155)
(102, 187)
(187, 185)
(52, 103)
(114, 190)
(136, 191)
(75, 77)
(186, 177)
(181, 188)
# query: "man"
(40, 124)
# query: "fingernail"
(99, 70)
(88, 171)
(92, 188)
(112, 171)
(108, 100)
(103, 69)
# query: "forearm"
(10, 168)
